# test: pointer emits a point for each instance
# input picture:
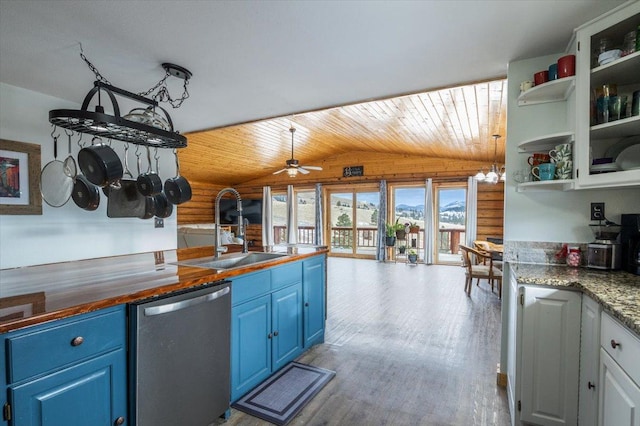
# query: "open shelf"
(546, 185)
(551, 91)
(546, 142)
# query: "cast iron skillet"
(100, 164)
(177, 189)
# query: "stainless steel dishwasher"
(179, 361)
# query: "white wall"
(69, 233)
(552, 216)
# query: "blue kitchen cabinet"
(69, 372)
(313, 279)
(266, 324)
(287, 325)
(250, 346)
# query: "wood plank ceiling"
(456, 122)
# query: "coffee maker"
(630, 242)
(605, 252)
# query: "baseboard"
(501, 378)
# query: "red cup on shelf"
(541, 77)
(567, 66)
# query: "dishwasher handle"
(176, 306)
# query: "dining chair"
(493, 249)
(479, 264)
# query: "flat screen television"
(251, 210)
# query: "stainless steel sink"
(233, 260)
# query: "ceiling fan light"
(480, 175)
(292, 172)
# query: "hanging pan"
(85, 194)
(55, 185)
(177, 189)
(126, 201)
(163, 208)
(149, 183)
(100, 164)
(149, 201)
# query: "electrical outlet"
(158, 222)
(597, 211)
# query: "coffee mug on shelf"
(564, 169)
(544, 171)
(525, 85)
(538, 158)
(553, 72)
(541, 77)
(567, 66)
(561, 152)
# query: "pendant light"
(495, 174)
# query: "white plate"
(614, 150)
(603, 168)
(629, 159)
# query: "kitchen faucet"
(241, 223)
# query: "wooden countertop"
(41, 293)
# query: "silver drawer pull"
(119, 421)
(77, 341)
(615, 344)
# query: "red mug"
(542, 77)
(567, 66)
(538, 158)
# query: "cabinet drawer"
(627, 346)
(66, 341)
(245, 287)
(285, 275)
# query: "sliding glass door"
(451, 206)
(353, 222)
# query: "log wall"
(393, 168)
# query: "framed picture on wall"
(20, 178)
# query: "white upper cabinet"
(599, 135)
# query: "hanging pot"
(100, 164)
(163, 208)
(55, 185)
(149, 183)
(177, 189)
(85, 194)
(149, 201)
(149, 208)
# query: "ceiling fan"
(293, 167)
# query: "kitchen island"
(36, 294)
(81, 337)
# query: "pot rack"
(98, 123)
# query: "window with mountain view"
(451, 219)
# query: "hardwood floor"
(408, 348)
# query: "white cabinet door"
(550, 356)
(619, 395)
(589, 362)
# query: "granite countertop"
(35, 294)
(618, 292)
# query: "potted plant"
(390, 240)
(413, 228)
(412, 256)
(402, 249)
(400, 230)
